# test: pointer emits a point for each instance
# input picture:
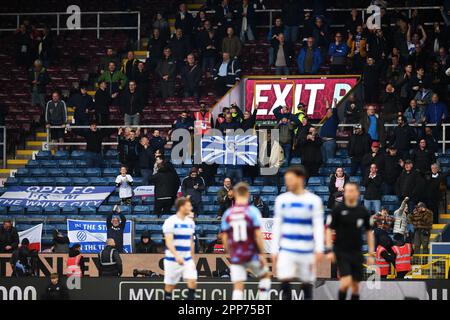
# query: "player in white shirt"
(179, 232)
(124, 182)
(298, 234)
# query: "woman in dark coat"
(336, 187)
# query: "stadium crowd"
(405, 70)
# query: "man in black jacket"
(129, 146)
(94, 139)
(56, 290)
(423, 157)
(409, 184)
(102, 102)
(249, 120)
(191, 75)
(82, 104)
(373, 181)
(9, 237)
(166, 183)
(193, 186)
(358, 146)
(402, 137)
(226, 74)
(282, 51)
(146, 245)
(392, 170)
(24, 260)
(166, 70)
(146, 160)
(115, 227)
(434, 180)
(109, 260)
(373, 156)
(131, 104)
(180, 46)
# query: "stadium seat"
(61, 155)
(66, 163)
(93, 172)
(52, 210)
(38, 172)
(110, 172)
(43, 155)
(88, 210)
(78, 155)
(34, 210)
(63, 181)
(80, 181)
(141, 210)
(55, 172)
(95, 181)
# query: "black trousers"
(163, 206)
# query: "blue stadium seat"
(93, 172)
(16, 210)
(199, 229)
(56, 172)
(63, 181)
(3, 210)
(81, 163)
(154, 228)
(38, 172)
(207, 216)
(141, 210)
(34, 210)
(52, 210)
(22, 172)
(355, 179)
(88, 210)
(78, 154)
(66, 163)
(315, 181)
(212, 190)
(295, 161)
(114, 163)
(33, 164)
(80, 181)
(148, 201)
(137, 181)
(49, 164)
(255, 189)
(111, 154)
(29, 181)
(321, 190)
(11, 181)
(104, 209)
(391, 199)
(43, 155)
(69, 210)
(113, 200)
(61, 155)
(211, 229)
(46, 181)
(95, 181)
(110, 172)
(269, 190)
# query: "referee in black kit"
(349, 220)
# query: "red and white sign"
(269, 94)
(34, 235)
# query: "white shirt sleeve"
(129, 178)
(318, 226)
(119, 179)
(276, 231)
(168, 226)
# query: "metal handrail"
(97, 13)
(3, 143)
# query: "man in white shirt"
(178, 232)
(298, 234)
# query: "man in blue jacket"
(328, 132)
(436, 113)
(309, 58)
(338, 51)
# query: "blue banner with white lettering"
(91, 235)
(48, 196)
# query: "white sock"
(264, 288)
(238, 295)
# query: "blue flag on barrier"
(230, 149)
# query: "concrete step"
(41, 136)
(16, 163)
(34, 145)
(26, 154)
(439, 226)
(5, 173)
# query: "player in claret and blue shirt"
(242, 238)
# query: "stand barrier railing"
(60, 23)
(443, 139)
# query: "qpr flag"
(230, 149)
(34, 235)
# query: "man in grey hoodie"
(56, 115)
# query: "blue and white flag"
(91, 235)
(48, 196)
(230, 149)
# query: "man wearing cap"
(409, 184)
(422, 220)
(193, 186)
(373, 156)
(358, 146)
